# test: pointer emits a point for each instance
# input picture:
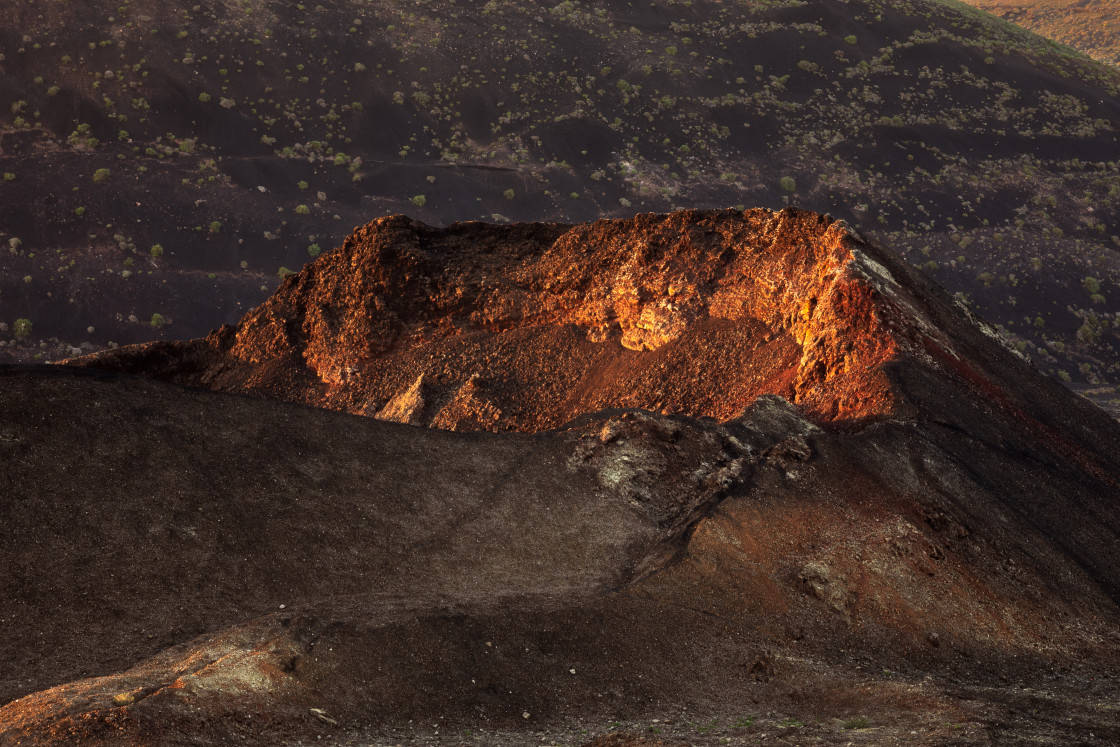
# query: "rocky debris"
(468, 410)
(771, 419)
(406, 406)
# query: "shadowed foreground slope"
(936, 546)
(460, 579)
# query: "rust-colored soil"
(1089, 26)
(913, 537)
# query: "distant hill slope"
(1092, 26)
(936, 557)
(163, 162)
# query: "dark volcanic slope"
(954, 526)
(405, 579)
(144, 514)
(242, 137)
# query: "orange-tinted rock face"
(524, 327)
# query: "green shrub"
(302, 210)
(787, 184)
(22, 329)
(314, 250)
(101, 175)
(156, 250)
(215, 226)
(9, 176)
(158, 321)
(851, 39)
(419, 200)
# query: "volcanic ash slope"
(880, 487)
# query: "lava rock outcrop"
(485, 327)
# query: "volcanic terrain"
(781, 488)
(163, 163)
(1089, 26)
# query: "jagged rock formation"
(523, 328)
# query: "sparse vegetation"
(687, 114)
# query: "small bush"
(204, 98)
(303, 210)
(216, 226)
(101, 175)
(419, 200)
(787, 184)
(861, 722)
(22, 329)
(314, 250)
(9, 176)
(851, 39)
(156, 250)
(158, 321)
